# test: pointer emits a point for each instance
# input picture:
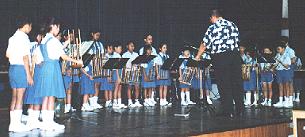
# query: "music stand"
(173, 64)
(143, 59)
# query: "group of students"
(37, 77)
(269, 68)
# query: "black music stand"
(143, 59)
(173, 64)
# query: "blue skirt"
(184, 85)
(151, 84)
(97, 80)
(17, 76)
(115, 76)
(283, 76)
(106, 85)
(87, 85)
(29, 97)
(251, 84)
(266, 77)
(50, 82)
(162, 82)
(67, 82)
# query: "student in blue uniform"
(267, 79)
(132, 56)
(29, 99)
(69, 71)
(18, 52)
(50, 82)
(185, 89)
(98, 47)
(87, 86)
(291, 53)
(249, 85)
(282, 67)
(148, 79)
(162, 83)
(116, 78)
(106, 85)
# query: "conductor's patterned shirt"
(221, 36)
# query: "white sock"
(129, 101)
(266, 99)
(119, 101)
(269, 100)
(68, 106)
(182, 94)
(115, 101)
(297, 95)
(188, 96)
(18, 114)
(290, 98)
(136, 100)
(280, 99)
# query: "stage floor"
(154, 121)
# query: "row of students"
(281, 71)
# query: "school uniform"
(266, 76)
(132, 56)
(147, 67)
(106, 84)
(291, 54)
(50, 81)
(183, 67)
(159, 60)
(283, 74)
(18, 46)
(86, 84)
(115, 77)
(249, 85)
(29, 97)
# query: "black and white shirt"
(222, 36)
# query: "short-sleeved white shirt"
(18, 47)
(54, 47)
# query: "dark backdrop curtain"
(170, 21)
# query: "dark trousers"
(229, 80)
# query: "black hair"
(148, 47)
(95, 30)
(161, 45)
(216, 13)
(117, 44)
(284, 39)
(128, 43)
(147, 34)
(281, 44)
(22, 20)
(46, 27)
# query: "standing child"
(117, 80)
(87, 86)
(18, 52)
(132, 56)
(97, 48)
(267, 78)
(162, 83)
(282, 67)
(298, 82)
(250, 84)
(185, 89)
(50, 82)
(29, 99)
(106, 84)
(148, 81)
